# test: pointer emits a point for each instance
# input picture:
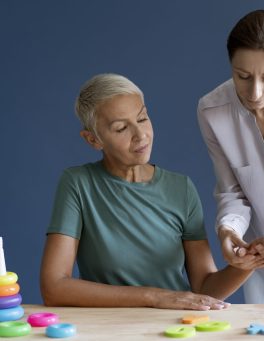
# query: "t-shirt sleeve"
(194, 226)
(66, 217)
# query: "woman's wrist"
(237, 272)
(225, 231)
(150, 296)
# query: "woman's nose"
(257, 90)
(139, 133)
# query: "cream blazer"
(236, 147)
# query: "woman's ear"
(91, 138)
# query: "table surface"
(127, 324)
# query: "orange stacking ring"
(10, 289)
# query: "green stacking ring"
(213, 326)
(180, 331)
(14, 328)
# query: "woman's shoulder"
(171, 174)
(183, 182)
(80, 171)
(169, 177)
(220, 96)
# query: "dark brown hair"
(248, 33)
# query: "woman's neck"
(138, 173)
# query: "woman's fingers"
(188, 300)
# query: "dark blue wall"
(174, 50)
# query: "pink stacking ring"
(10, 301)
(42, 319)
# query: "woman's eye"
(243, 77)
(121, 129)
(142, 119)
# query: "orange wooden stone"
(193, 319)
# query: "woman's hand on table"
(166, 299)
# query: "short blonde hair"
(98, 89)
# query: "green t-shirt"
(130, 233)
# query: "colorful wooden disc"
(213, 326)
(180, 331)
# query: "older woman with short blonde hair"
(133, 227)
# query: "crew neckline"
(107, 174)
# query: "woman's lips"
(141, 149)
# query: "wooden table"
(127, 324)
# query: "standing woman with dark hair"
(231, 119)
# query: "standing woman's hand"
(257, 247)
(235, 250)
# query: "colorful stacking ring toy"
(9, 278)
(9, 289)
(11, 314)
(13, 329)
(42, 319)
(61, 330)
(10, 301)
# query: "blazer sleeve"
(233, 208)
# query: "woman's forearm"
(82, 293)
(225, 282)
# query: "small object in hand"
(240, 251)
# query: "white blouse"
(236, 147)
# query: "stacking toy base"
(13, 329)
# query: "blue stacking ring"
(10, 301)
(60, 330)
(11, 314)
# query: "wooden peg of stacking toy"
(2, 259)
